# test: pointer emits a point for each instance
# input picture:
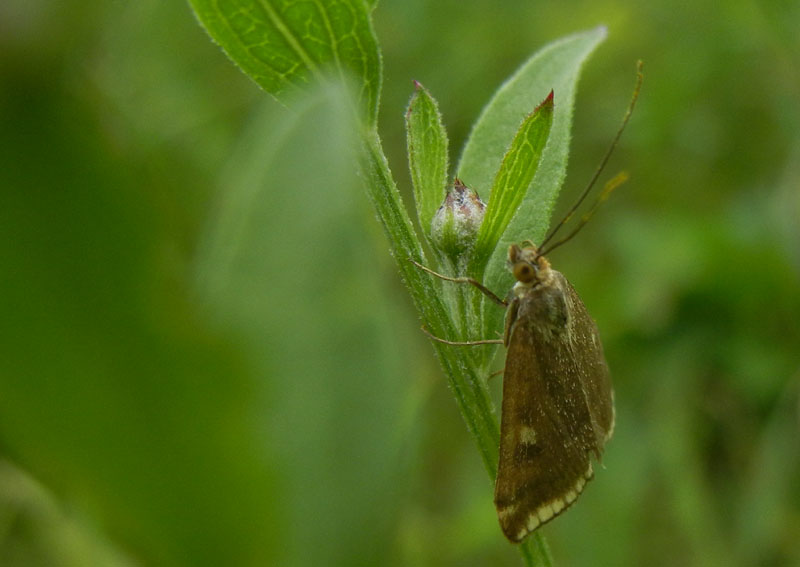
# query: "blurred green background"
(206, 357)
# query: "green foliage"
(264, 274)
(427, 154)
(427, 143)
(204, 357)
(284, 45)
(513, 178)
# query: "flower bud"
(455, 224)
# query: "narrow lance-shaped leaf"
(283, 44)
(427, 154)
(248, 265)
(516, 173)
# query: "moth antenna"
(599, 170)
(612, 184)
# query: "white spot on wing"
(533, 522)
(507, 511)
(546, 512)
(549, 510)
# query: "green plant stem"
(535, 551)
(472, 394)
(460, 366)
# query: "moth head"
(527, 266)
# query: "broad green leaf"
(516, 173)
(284, 44)
(286, 265)
(203, 437)
(556, 67)
(427, 154)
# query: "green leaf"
(283, 44)
(516, 173)
(556, 67)
(427, 154)
(284, 266)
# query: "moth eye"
(524, 272)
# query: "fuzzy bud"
(455, 224)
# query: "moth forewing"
(596, 379)
(557, 403)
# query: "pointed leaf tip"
(546, 105)
(511, 183)
(548, 101)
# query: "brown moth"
(558, 406)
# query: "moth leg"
(462, 343)
(485, 290)
(494, 374)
